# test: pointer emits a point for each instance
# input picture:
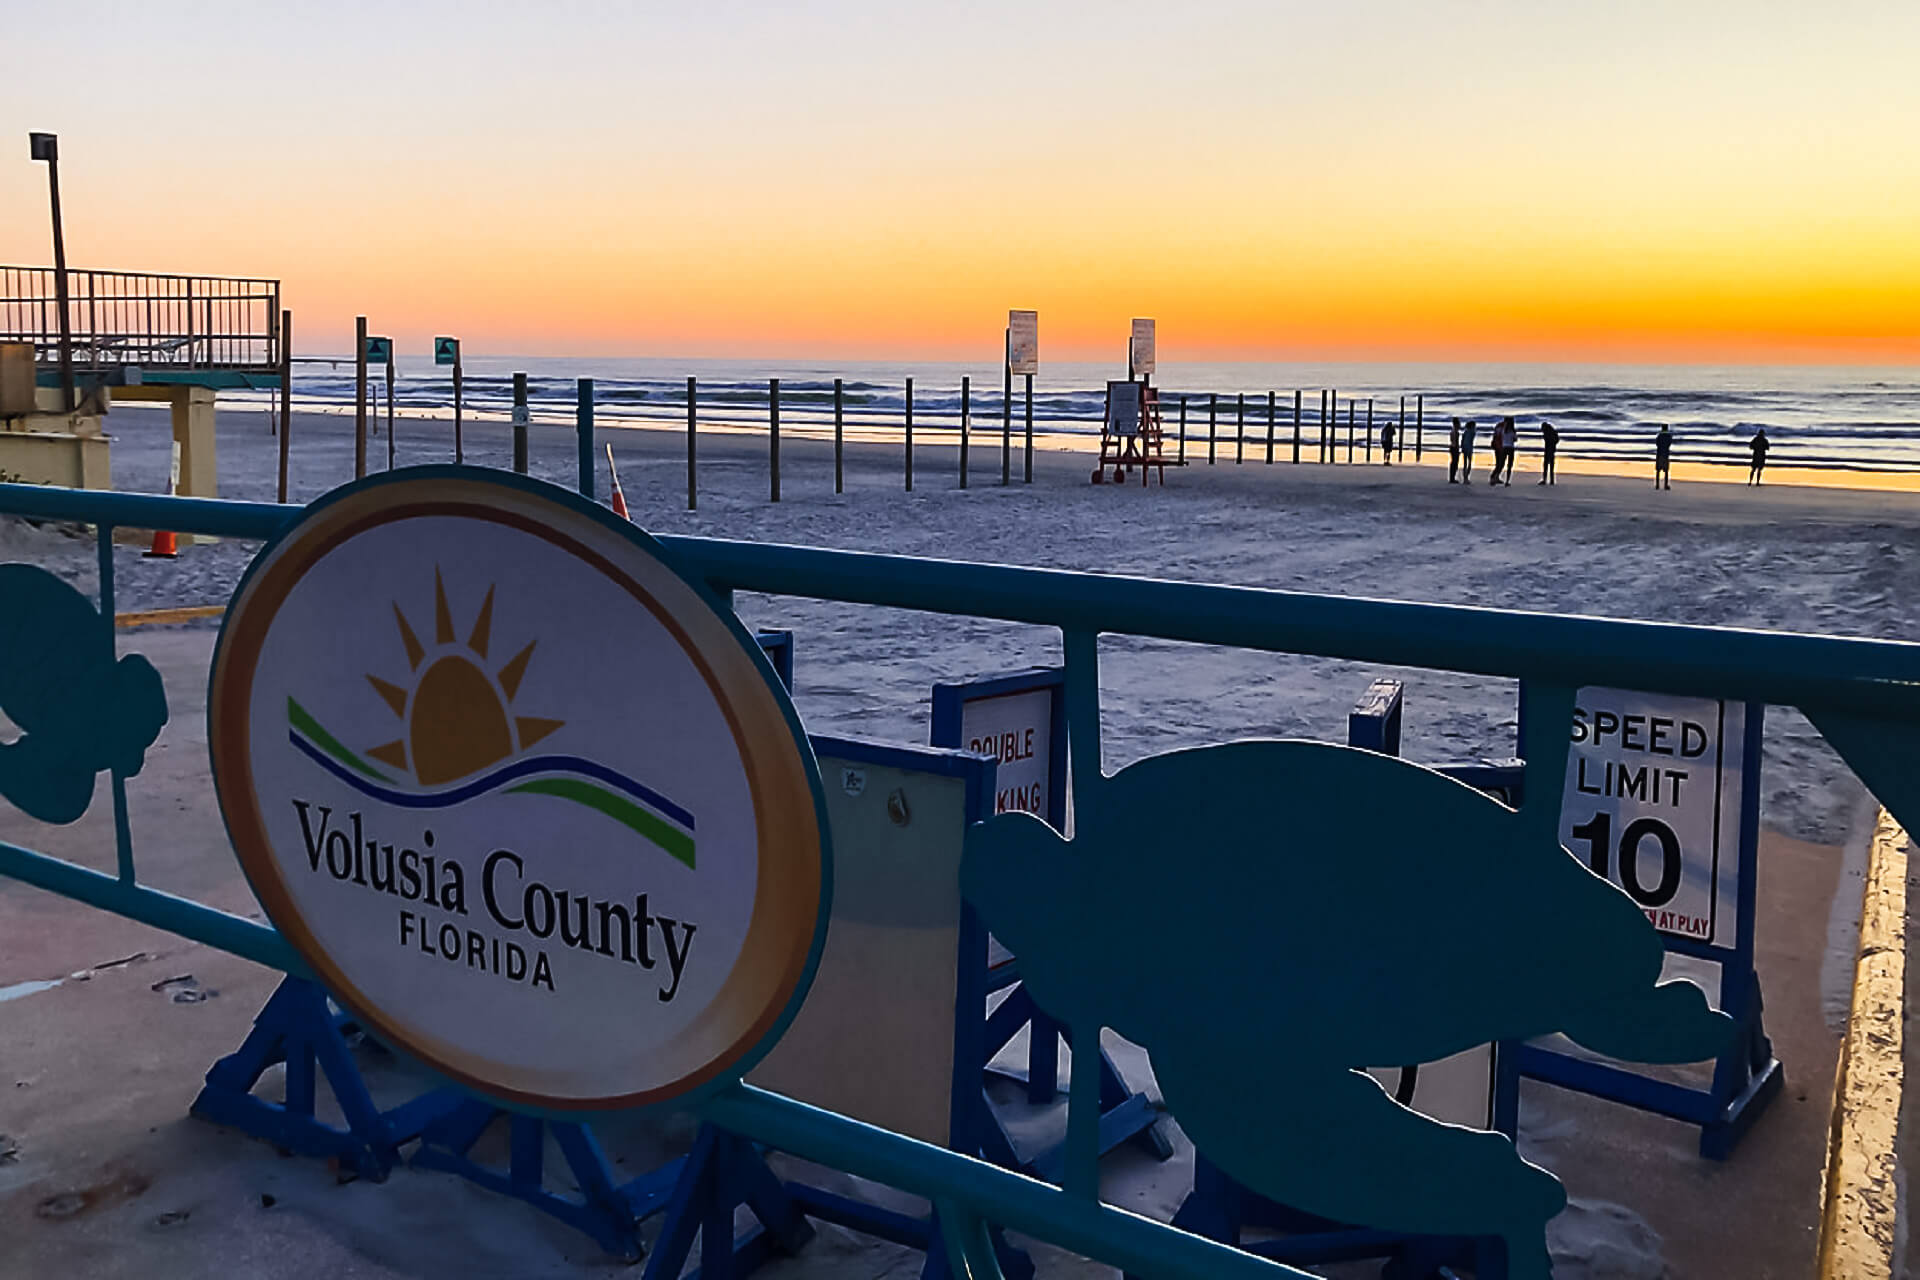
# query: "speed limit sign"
(1653, 803)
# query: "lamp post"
(46, 146)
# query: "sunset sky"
(1676, 181)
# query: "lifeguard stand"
(1130, 435)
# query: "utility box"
(16, 379)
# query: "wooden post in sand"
(839, 477)
(360, 397)
(1029, 428)
(286, 394)
(1183, 429)
(1400, 432)
(1419, 426)
(459, 443)
(520, 418)
(1270, 396)
(1352, 410)
(390, 363)
(583, 428)
(1006, 412)
(909, 435)
(693, 444)
(1296, 427)
(966, 419)
(1240, 431)
(1213, 411)
(773, 435)
(1369, 428)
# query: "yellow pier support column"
(192, 411)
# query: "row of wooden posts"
(1328, 443)
(1329, 427)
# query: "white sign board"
(1023, 342)
(519, 795)
(875, 1039)
(1652, 802)
(1456, 1090)
(1016, 729)
(1123, 408)
(1140, 348)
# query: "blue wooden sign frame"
(725, 1171)
(1125, 1113)
(1747, 1077)
(446, 351)
(379, 350)
(778, 646)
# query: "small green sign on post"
(379, 350)
(446, 351)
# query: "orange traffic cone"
(165, 545)
(619, 498)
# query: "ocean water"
(1826, 417)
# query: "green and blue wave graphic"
(576, 779)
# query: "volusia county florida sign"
(529, 805)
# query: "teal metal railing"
(1863, 693)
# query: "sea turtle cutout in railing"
(78, 710)
(1268, 918)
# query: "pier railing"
(141, 319)
(1863, 694)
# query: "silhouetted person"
(1506, 443)
(1466, 451)
(1386, 444)
(1549, 442)
(1759, 444)
(1663, 458)
(1453, 453)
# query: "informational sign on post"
(446, 351)
(1023, 342)
(1020, 721)
(422, 723)
(379, 350)
(1140, 353)
(1016, 729)
(1652, 802)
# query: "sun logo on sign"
(457, 717)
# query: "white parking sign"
(1652, 802)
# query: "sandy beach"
(94, 1093)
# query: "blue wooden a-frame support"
(1125, 1114)
(1221, 1209)
(298, 1027)
(611, 1212)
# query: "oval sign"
(529, 805)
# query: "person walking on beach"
(1549, 442)
(1466, 451)
(1759, 444)
(1511, 450)
(1386, 444)
(1663, 458)
(1453, 453)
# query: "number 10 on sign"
(1654, 800)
